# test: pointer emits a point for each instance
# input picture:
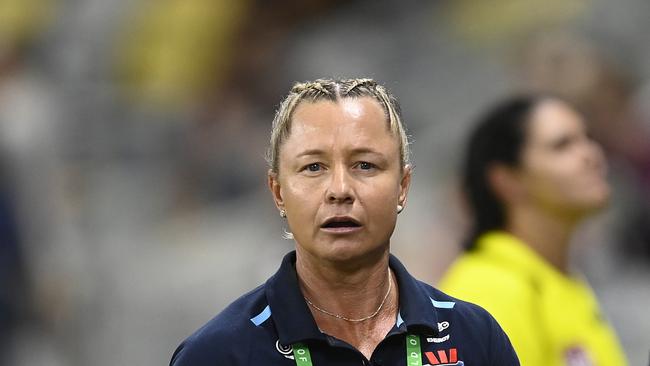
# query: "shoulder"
(470, 264)
(226, 337)
(488, 283)
(463, 312)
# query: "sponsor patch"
(444, 357)
(438, 340)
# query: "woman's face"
(562, 169)
(340, 179)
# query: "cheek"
(380, 199)
(301, 211)
(300, 197)
(555, 182)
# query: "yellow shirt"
(551, 319)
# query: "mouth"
(341, 224)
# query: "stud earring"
(400, 208)
(283, 213)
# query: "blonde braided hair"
(334, 90)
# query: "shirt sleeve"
(197, 353)
(176, 356)
(501, 353)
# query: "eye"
(364, 165)
(562, 143)
(591, 138)
(313, 167)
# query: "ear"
(505, 183)
(404, 184)
(275, 188)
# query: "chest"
(363, 337)
(576, 334)
(392, 350)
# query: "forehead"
(347, 123)
(352, 110)
(552, 119)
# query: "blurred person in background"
(603, 75)
(340, 174)
(607, 89)
(531, 175)
(13, 284)
(34, 295)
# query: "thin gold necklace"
(390, 283)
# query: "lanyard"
(301, 354)
(413, 352)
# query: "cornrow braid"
(358, 83)
(334, 90)
(312, 85)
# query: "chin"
(344, 251)
(595, 204)
(595, 197)
(601, 198)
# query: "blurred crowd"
(133, 199)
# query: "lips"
(341, 224)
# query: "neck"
(353, 292)
(546, 234)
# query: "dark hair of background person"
(499, 137)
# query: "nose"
(340, 189)
(594, 154)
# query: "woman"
(339, 173)
(532, 174)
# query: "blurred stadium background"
(133, 204)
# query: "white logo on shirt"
(286, 351)
(438, 340)
(442, 326)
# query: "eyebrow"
(365, 150)
(311, 152)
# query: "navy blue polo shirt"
(260, 327)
